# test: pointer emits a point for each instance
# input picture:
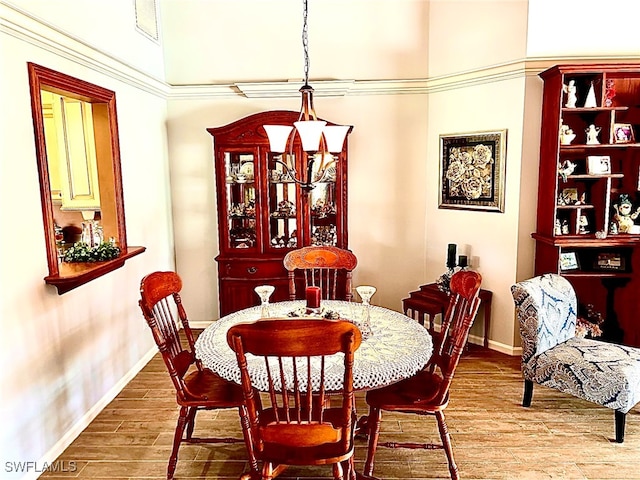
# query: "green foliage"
(81, 252)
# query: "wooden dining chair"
(196, 388)
(322, 267)
(295, 424)
(427, 392)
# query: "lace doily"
(398, 347)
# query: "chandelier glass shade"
(316, 137)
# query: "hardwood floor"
(494, 437)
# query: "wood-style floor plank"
(494, 437)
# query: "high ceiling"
(228, 41)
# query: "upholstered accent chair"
(603, 373)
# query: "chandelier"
(318, 139)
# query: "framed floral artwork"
(472, 170)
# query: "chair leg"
(338, 471)
(267, 471)
(373, 423)
(177, 439)
(528, 393)
(191, 421)
(248, 442)
(620, 421)
(446, 444)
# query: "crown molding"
(35, 31)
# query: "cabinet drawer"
(250, 269)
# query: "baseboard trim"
(73, 433)
(200, 323)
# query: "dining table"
(395, 348)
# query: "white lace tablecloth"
(398, 347)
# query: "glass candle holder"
(366, 292)
(264, 292)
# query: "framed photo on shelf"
(569, 261)
(568, 196)
(610, 261)
(598, 164)
(623, 133)
(472, 170)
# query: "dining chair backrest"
(461, 312)
(160, 301)
(321, 266)
(294, 417)
(196, 388)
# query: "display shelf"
(589, 163)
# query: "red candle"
(313, 297)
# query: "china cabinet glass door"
(322, 203)
(241, 199)
(282, 199)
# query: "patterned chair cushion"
(600, 372)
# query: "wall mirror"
(78, 154)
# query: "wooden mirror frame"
(67, 276)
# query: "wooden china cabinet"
(263, 213)
(589, 166)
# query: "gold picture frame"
(472, 170)
(622, 133)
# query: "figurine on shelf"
(613, 228)
(557, 229)
(570, 90)
(584, 225)
(623, 217)
(590, 102)
(592, 134)
(609, 93)
(565, 169)
(566, 135)
(565, 227)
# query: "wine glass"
(264, 292)
(366, 292)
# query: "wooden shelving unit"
(576, 226)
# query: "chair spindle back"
(292, 414)
(461, 312)
(321, 266)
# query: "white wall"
(66, 356)
(257, 40)
(582, 29)
(470, 36)
(466, 35)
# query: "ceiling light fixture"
(315, 135)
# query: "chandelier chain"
(305, 40)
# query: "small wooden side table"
(430, 301)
